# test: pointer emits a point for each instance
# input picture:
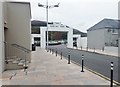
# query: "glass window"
(35, 31)
(37, 41)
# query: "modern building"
(104, 33)
(57, 31)
(39, 32)
(15, 39)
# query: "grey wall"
(119, 42)
(19, 26)
(95, 39)
(110, 37)
(1, 39)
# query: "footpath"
(105, 52)
(47, 69)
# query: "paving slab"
(47, 69)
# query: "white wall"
(95, 39)
(70, 38)
(1, 39)
(43, 37)
(83, 42)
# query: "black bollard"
(56, 52)
(61, 55)
(82, 63)
(111, 84)
(47, 50)
(69, 59)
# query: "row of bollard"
(52, 50)
(82, 61)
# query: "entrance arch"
(59, 28)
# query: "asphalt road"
(96, 62)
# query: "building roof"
(106, 23)
(44, 24)
(38, 23)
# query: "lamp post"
(47, 7)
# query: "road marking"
(115, 82)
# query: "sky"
(78, 14)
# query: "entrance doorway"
(37, 41)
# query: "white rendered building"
(39, 32)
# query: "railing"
(10, 52)
(15, 51)
(21, 48)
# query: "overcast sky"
(79, 14)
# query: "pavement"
(105, 52)
(47, 69)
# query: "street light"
(47, 7)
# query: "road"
(96, 62)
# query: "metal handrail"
(21, 48)
(25, 50)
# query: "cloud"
(75, 12)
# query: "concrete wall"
(119, 33)
(19, 25)
(95, 39)
(83, 42)
(114, 38)
(1, 39)
(110, 37)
